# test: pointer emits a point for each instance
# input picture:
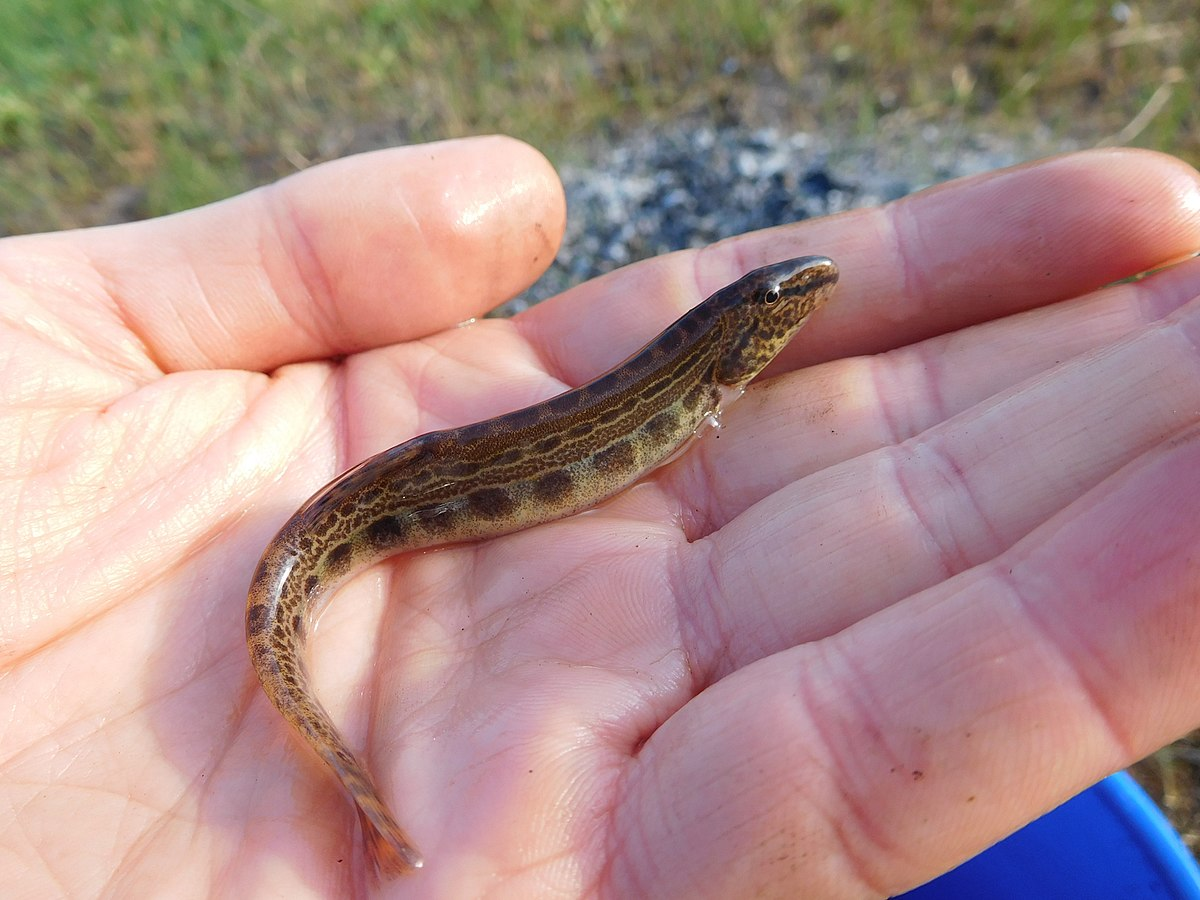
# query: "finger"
(962, 253)
(789, 427)
(356, 253)
(885, 755)
(866, 533)
(1011, 240)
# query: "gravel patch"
(666, 190)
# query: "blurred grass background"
(134, 108)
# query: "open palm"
(934, 576)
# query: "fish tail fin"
(389, 847)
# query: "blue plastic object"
(1108, 843)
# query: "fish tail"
(277, 609)
(389, 847)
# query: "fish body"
(534, 465)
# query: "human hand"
(898, 606)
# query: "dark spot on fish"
(508, 457)
(619, 456)
(563, 403)
(491, 503)
(662, 425)
(523, 418)
(256, 619)
(338, 557)
(553, 486)
(462, 469)
(311, 583)
(670, 340)
(695, 396)
(387, 532)
(546, 444)
(262, 574)
(298, 625)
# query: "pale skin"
(897, 607)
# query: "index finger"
(357, 253)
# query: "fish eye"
(771, 295)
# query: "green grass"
(161, 105)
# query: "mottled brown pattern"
(510, 456)
(495, 477)
(256, 619)
(549, 444)
(463, 469)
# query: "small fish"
(491, 478)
